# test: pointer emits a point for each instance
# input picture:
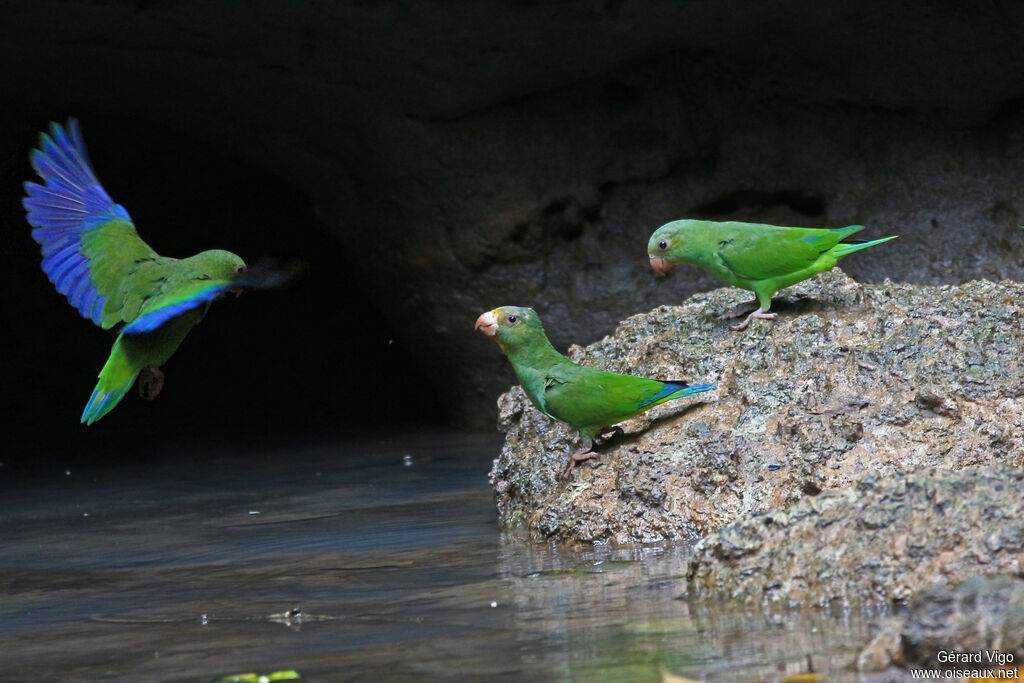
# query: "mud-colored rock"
(881, 540)
(850, 380)
(981, 619)
(883, 650)
(983, 615)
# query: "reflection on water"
(367, 561)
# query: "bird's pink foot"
(578, 456)
(740, 311)
(151, 381)
(759, 314)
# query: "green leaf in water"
(289, 675)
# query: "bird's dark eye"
(239, 269)
(512, 319)
(663, 244)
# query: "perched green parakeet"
(94, 257)
(754, 256)
(589, 400)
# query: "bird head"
(663, 243)
(510, 326)
(217, 264)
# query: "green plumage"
(122, 268)
(757, 257)
(93, 255)
(129, 355)
(587, 399)
(149, 284)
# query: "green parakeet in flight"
(754, 256)
(94, 257)
(590, 400)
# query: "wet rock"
(883, 650)
(880, 540)
(851, 380)
(983, 615)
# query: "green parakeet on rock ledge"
(754, 256)
(590, 400)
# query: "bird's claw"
(151, 381)
(759, 314)
(578, 456)
(741, 310)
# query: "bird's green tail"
(116, 378)
(674, 390)
(844, 248)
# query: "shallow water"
(185, 570)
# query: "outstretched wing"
(89, 244)
(756, 252)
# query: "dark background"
(432, 160)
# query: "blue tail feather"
(844, 248)
(102, 402)
(697, 388)
(677, 390)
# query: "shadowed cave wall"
(432, 160)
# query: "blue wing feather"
(264, 275)
(71, 202)
(59, 252)
(152, 319)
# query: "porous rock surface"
(880, 540)
(851, 380)
(983, 615)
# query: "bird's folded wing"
(761, 254)
(599, 391)
(88, 241)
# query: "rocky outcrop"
(880, 540)
(979, 624)
(850, 380)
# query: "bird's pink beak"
(487, 323)
(660, 265)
